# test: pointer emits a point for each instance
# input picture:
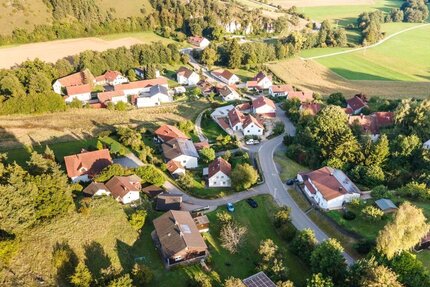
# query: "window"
(222, 176)
(184, 161)
(177, 258)
(259, 130)
(223, 183)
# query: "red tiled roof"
(372, 123)
(384, 119)
(244, 107)
(311, 108)
(249, 120)
(282, 88)
(119, 186)
(76, 79)
(201, 145)
(184, 71)
(76, 90)
(219, 164)
(173, 166)
(195, 39)
(356, 103)
(90, 163)
(235, 116)
(301, 96)
(262, 101)
(348, 111)
(141, 84)
(168, 132)
(107, 96)
(111, 75)
(223, 122)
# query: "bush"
(349, 215)
(372, 213)
(137, 219)
(364, 246)
(282, 216)
(224, 217)
(288, 232)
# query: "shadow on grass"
(353, 75)
(65, 261)
(96, 258)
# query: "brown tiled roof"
(282, 88)
(225, 91)
(76, 90)
(77, 79)
(249, 120)
(260, 76)
(384, 119)
(262, 101)
(372, 123)
(356, 103)
(168, 201)
(348, 111)
(107, 96)
(177, 231)
(244, 107)
(119, 186)
(195, 39)
(185, 72)
(141, 84)
(168, 132)
(301, 96)
(201, 145)
(177, 147)
(223, 122)
(93, 187)
(311, 108)
(111, 75)
(152, 190)
(226, 74)
(90, 163)
(219, 164)
(173, 165)
(235, 116)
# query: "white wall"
(123, 99)
(265, 83)
(219, 180)
(187, 161)
(253, 130)
(82, 97)
(119, 80)
(266, 109)
(81, 178)
(101, 192)
(57, 87)
(142, 102)
(130, 197)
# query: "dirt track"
(54, 50)
(315, 3)
(312, 76)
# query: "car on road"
(252, 142)
(230, 207)
(252, 203)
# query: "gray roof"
(385, 204)
(258, 280)
(176, 147)
(158, 89)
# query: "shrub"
(282, 216)
(372, 213)
(364, 246)
(224, 217)
(288, 232)
(137, 219)
(349, 215)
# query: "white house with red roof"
(85, 165)
(112, 78)
(280, 90)
(371, 124)
(219, 172)
(226, 77)
(329, 187)
(143, 86)
(356, 104)
(236, 119)
(175, 168)
(245, 123)
(264, 106)
(260, 82)
(112, 97)
(125, 189)
(81, 93)
(185, 76)
(167, 132)
(228, 93)
(76, 79)
(200, 42)
(302, 96)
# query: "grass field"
(288, 167)
(146, 37)
(210, 128)
(125, 8)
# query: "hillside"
(26, 14)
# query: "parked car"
(252, 141)
(230, 207)
(252, 203)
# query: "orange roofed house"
(178, 239)
(76, 79)
(264, 106)
(260, 82)
(198, 41)
(371, 124)
(168, 132)
(329, 187)
(85, 165)
(219, 173)
(125, 189)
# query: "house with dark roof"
(185, 76)
(125, 189)
(330, 188)
(302, 96)
(167, 201)
(152, 190)
(178, 239)
(182, 151)
(87, 164)
(228, 93)
(226, 77)
(264, 106)
(357, 103)
(168, 132)
(386, 205)
(280, 90)
(260, 82)
(219, 173)
(96, 189)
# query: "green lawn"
(201, 191)
(288, 167)
(210, 128)
(392, 60)
(146, 37)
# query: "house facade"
(85, 165)
(251, 127)
(219, 173)
(182, 151)
(154, 97)
(280, 90)
(228, 94)
(185, 76)
(356, 104)
(125, 189)
(329, 187)
(138, 87)
(264, 106)
(260, 82)
(81, 93)
(111, 78)
(112, 97)
(76, 79)
(226, 77)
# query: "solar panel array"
(259, 280)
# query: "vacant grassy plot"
(402, 58)
(313, 76)
(288, 167)
(210, 128)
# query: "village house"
(205, 87)
(264, 107)
(228, 94)
(178, 239)
(329, 187)
(81, 93)
(138, 87)
(182, 151)
(426, 145)
(371, 124)
(236, 119)
(219, 173)
(111, 78)
(168, 201)
(280, 90)
(260, 82)
(140, 73)
(200, 42)
(310, 108)
(154, 97)
(185, 76)
(167, 132)
(152, 190)
(175, 168)
(302, 96)
(245, 123)
(113, 97)
(386, 205)
(76, 79)
(96, 189)
(125, 189)
(82, 167)
(226, 77)
(357, 103)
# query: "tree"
(208, 154)
(99, 145)
(380, 191)
(327, 259)
(235, 54)
(224, 217)
(137, 219)
(226, 155)
(150, 174)
(282, 216)
(141, 274)
(372, 213)
(243, 176)
(414, 190)
(284, 284)
(410, 270)
(381, 276)
(186, 126)
(232, 236)
(185, 181)
(82, 276)
(233, 282)
(267, 250)
(404, 232)
(201, 280)
(123, 281)
(318, 280)
(209, 56)
(304, 244)
(337, 99)
(111, 171)
(130, 137)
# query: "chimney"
(340, 188)
(331, 173)
(361, 115)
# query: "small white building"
(157, 94)
(81, 93)
(226, 77)
(280, 90)
(264, 106)
(185, 76)
(251, 127)
(175, 168)
(125, 189)
(182, 151)
(219, 173)
(329, 187)
(228, 94)
(260, 82)
(200, 42)
(96, 189)
(426, 145)
(138, 87)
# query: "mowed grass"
(405, 57)
(288, 167)
(146, 37)
(210, 128)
